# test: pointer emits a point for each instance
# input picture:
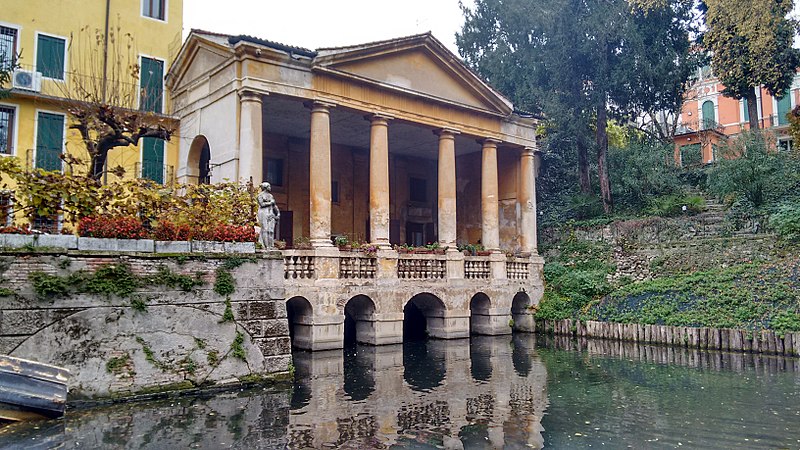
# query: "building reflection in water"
(486, 392)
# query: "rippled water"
(487, 392)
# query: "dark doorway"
(205, 164)
(286, 228)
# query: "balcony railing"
(302, 266)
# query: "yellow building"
(63, 45)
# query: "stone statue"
(268, 215)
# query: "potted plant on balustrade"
(369, 250)
(403, 248)
(343, 243)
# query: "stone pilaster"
(251, 159)
(490, 209)
(379, 181)
(527, 201)
(447, 188)
(320, 175)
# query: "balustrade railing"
(517, 269)
(477, 268)
(357, 267)
(298, 267)
(417, 268)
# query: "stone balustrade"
(330, 263)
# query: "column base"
(321, 243)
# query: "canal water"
(487, 392)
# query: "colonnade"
(250, 167)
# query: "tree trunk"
(602, 152)
(752, 108)
(98, 164)
(583, 166)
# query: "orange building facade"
(709, 118)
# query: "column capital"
(446, 133)
(489, 142)
(529, 151)
(247, 95)
(378, 118)
(319, 105)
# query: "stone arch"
(520, 312)
(198, 164)
(480, 321)
(300, 315)
(358, 320)
(423, 315)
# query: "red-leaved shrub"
(168, 231)
(14, 229)
(228, 233)
(112, 227)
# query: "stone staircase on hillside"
(711, 222)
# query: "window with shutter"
(153, 159)
(151, 84)
(50, 56)
(784, 106)
(49, 141)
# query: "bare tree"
(105, 99)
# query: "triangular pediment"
(418, 65)
(196, 59)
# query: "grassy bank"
(750, 290)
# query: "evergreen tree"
(581, 62)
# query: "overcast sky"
(326, 23)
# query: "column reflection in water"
(420, 395)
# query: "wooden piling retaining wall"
(725, 339)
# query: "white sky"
(326, 23)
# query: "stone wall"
(159, 336)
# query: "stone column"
(379, 181)
(447, 188)
(320, 175)
(527, 201)
(490, 208)
(250, 138)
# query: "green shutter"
(49, 141)
(784, 106)
(153, 159)
(709, 118)
(151, 83)
(50, 56)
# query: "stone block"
(16, 240)
(274, 346)
(136, 245)
(208, 247)
(97, 244)
(262, 310)
(68, 242)
(275, 328)
(274, 364)
(253, 327)
(239, 247)
(173, 246)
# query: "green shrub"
(672, 205)
(786, 222)
(640, 171)
(46, 285)
(752, 168)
